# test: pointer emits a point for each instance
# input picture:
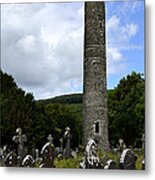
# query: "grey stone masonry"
(95, 122)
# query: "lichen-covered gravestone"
(20, 139)
(47, 153)
(10, 159)
(143, 140)
(122, 145)
(91, 159)
(127, 159)
(28, 161)
(67, 137)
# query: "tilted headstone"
(60, 156)
(47, 153)
(127, 159)
(28, 161)
(20, 139)
(67, 137)
(110, 164)
(10, 159)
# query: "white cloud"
(119, 36)
(128, 8)
(116, 61)
(42, 46)
(115, 55)
(28, 43)
(130, 29)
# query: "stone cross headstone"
(67, 137)
(20, 139)
(127, 159)
(47, 153)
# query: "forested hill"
(64, 99)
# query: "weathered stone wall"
(95, 96)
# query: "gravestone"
(91, 159)
(28, 161)
(61, 145)
(20, 139)
(37, 159)
(95, 121)
(74, 154)
(122, 145)
(47, 153)
(11, 159)
(1, 157)
(103, 161)
(67, 150)
(127, 159)
(110, 164)
(143, 164)
(143, 141)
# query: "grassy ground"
(74, 162)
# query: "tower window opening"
(97, 127)
(101, 24)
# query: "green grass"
(74, 163)
(68, 162)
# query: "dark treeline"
(40, 118)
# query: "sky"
(42, 45)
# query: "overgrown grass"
(68, 162)
(75, 162)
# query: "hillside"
(64, 99)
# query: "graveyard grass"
(75, 162)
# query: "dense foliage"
(17, 109)
(126, 110)
(39, 118)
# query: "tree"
(126, 109)
(17, 109)
(59, 117)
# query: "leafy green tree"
(17, 109)
(126, 109)
(60, 116)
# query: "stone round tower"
(95, 122)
